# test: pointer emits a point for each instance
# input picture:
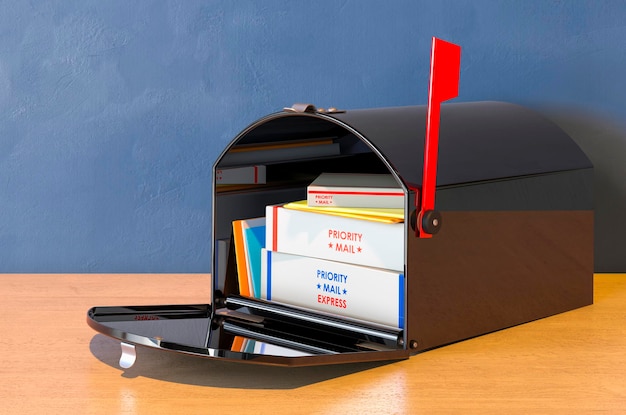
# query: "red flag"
(445, 65)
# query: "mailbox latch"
(299, 107)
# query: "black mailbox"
(516, 242)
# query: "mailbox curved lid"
(478, 140)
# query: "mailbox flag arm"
(445, 65)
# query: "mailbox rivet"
(413, 344)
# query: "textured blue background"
(113, 112)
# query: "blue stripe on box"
(401, 301)
(269, 274)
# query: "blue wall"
(113, 112)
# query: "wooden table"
(53, 363)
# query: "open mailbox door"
(513, 194)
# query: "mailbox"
(494, 228)
(514, 194)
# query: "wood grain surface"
(53, 363)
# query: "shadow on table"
(186, 369)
